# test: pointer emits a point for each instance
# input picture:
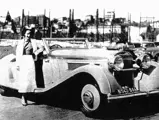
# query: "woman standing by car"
(26, 53)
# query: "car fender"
(156, 53)
(149, 79)
(105, 80)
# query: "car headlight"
(146, 58)
(118, 62)
(146, 61)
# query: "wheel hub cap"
(88, 98)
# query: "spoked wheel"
(91, 99)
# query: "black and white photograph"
(79, 60)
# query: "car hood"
(84, 53)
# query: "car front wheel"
(91, 99)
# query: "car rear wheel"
(91, 99)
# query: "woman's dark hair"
(32, 31)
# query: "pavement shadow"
(60, 97)
(143, 108)
(56, 97)
(123, 110)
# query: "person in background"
(38, 34)
(27, 47)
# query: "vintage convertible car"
(96, 75)
(115, 46)
(149, 48)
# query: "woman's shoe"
(23, 101)
(24, 104)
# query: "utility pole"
(73, 15)
(103, 23)
(70, 24)
(140, 24)
(153, 22)
(73, 24)
(129, 25)
(50, 25)
(28, 19)
(22, 22)
(44, 22)
(97, 25)
(22, 18)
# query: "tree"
(9, 19)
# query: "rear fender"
(6, 70)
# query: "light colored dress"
(26, 74)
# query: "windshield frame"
(85, 41)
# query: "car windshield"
(137, 45)
(131, 45)
(156, 43)
(148, 45)
(57, 43)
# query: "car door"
(50, 70)
(47, 72)
(50, 67)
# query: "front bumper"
(137, 94)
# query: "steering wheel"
(55, 46)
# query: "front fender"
(156, 53)
(149, 79)
(106, 82)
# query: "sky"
(60, 8)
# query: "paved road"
(11, 109)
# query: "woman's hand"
(35, 57)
